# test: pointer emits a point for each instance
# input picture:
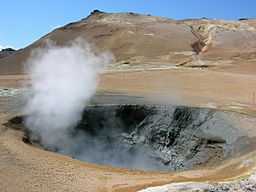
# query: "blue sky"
(24, 21)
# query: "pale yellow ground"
(26, 168)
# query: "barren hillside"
(185, 89)
(147, 41)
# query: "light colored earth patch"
(4, 92)
(248, 184)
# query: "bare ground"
(26, 168)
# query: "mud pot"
(154, 137)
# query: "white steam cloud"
(62, 80)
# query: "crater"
(153, 137)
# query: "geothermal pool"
(154, 137)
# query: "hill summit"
(141, 41)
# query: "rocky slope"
(140, 41)
(6, 52)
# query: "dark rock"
(6, 52)
(243, 19)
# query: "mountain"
(141, 41)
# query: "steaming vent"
(62, 81)
(151, 138)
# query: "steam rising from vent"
(155, 138)
(148, 137)
(62, 80)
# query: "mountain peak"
(96, 12)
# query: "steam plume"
(62, 80)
